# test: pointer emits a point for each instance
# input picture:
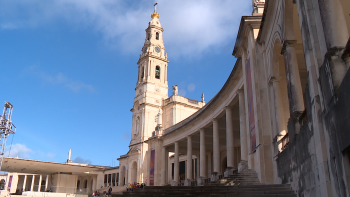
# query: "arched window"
(137, 126)
(143, 73)
(85, 185)
(157, 36)
(148, 36)
(78, 184)
(157, 72)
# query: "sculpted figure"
(160, 112)
(175, 90)
(202, 97)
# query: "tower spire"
(155, 7)
(155, 14)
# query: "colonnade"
(230, 145)
(33, 181)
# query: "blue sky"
(69, 68)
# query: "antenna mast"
(6, 128)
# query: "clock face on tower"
(157, 49)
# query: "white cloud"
(50, 155)
(20, 150)
(190, 27)
(59, 79)
(182, 92)
(191, 87)
(126, 136)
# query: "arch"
(157, 35)
(133, 172)
(157, 74)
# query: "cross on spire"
(155, 7)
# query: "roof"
(19, 165)
(201, 111)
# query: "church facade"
(153, 109)
(283, 111)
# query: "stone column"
(336, 35)
(334, 23)
(39, 185)
(293, 78)
(281, 131)
(32, 184)
(189, 161)
(164, 166)
(24, 183)
(230, 146)
(202, 152)
(176, 165)
(47, 182)
(243, 164)
(216, 150)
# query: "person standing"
(110, 191)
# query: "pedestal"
(174, 183)
(228, 172)
(214, 177)
(201, 181)
(188, 182)
(243, 165)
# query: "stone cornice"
(263, 20)
(287, 43)
(247, 23)
(148, 55)
(155, 27)
(273, 79)
(184, 104)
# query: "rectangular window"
(109, 179)
(117, 179)
(105, 181)
(113, 179)
(172, 171)
(182, 170)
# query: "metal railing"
(284, 141)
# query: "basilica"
(282, 115)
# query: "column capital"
(273, 79)
(215, 120)
(287, 43)
(201, 129)
(228, 108)
(240, 91)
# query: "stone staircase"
(279, 190)
(243, 184)
(246, 177)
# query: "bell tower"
(152, 84)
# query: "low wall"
(51, 194)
